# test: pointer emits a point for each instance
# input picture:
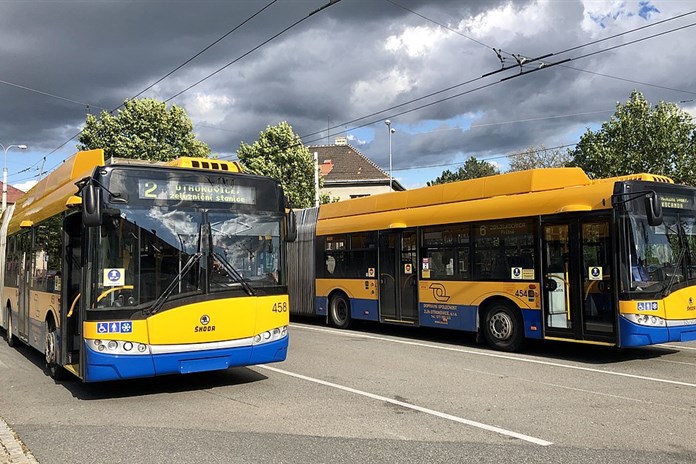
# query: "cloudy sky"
(342, 71)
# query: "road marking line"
(676, 362)
(496, 355)
(678, 347)
(442, 415)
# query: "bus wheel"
(339, 311)
(503, 327)
(54, 369)
(11, 339)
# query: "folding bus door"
(577, 280)
(398, 276)
(25, 272)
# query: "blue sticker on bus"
(114, 327)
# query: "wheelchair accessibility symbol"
(114, 277)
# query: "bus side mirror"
(91, 205)
(290, 226)
(653, 209)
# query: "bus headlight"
(271, 335)
(118, 347)
(646, 319)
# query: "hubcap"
(339, 311)
(501, 326)
(50, 347)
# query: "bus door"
(70, 314)
(24, 284)
(398, 276)
(577, 280)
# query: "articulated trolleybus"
(118, 270)
(546, 253)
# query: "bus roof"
(49, 195)
(541, 191)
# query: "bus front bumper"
(104, 366)
(633, 334)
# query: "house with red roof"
(347, 173)
(13, 194)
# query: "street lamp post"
(4, 172)
(391, 131)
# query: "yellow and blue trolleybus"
(118, 269)
(545, 254)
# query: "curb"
(12, 450)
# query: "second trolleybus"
(539, 254)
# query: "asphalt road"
(372, 395)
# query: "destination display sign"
(173, 190)
(676, 201)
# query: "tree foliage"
(143, 129)
(472, 169)
(279, 153)
(539, 157)
(659, 139)
(325, 198)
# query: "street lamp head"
(22, 147)
(392, 130)
(387, 122)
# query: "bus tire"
(54, 369)
(503, 327)
(11, 339)
(339, 311)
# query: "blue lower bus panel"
(103, 366)
(640, 335)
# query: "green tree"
(659, 139)
(539, 157)
(143, 129)
(325, 198)
(472, 169)
(279, 153)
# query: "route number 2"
(150, 188)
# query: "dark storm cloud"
(350, 60)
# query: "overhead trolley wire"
(265, 42)
(296, 23)
(545, 66)
(510, 77)
(200, 52)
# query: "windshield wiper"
(678, 265)
(157, 305)
(234, 273)
(668, 288)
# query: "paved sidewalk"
(12, 450)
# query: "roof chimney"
(341, 140)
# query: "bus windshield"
(143, 249)
(660, 258)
